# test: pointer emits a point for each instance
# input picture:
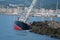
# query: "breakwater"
(50, 28)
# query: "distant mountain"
(49, 4)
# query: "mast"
(41, 5)
(30, 8)
(56, 11)
(57, 7)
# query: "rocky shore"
(50, 28)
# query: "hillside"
(49, 4)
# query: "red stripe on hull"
(17, 27)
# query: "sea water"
(7, 31)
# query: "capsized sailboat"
(22, 25)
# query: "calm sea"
(8, 33)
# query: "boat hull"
(21, 26)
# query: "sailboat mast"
(41, 5)
(57, 7)
(30, 8)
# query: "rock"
(46, 28)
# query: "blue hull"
(21, 25)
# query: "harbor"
(30, 20)
(35, 11)
(7, 31)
